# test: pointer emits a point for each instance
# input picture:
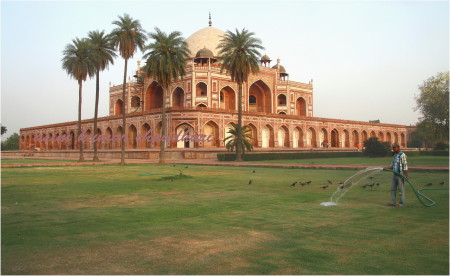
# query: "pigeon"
(180, 172)
(371, 177)
(250, 182)
(341, 183)
(364, 186)
(186, 167)
(174, 165)
(371, 185)
(308, 182)
(442, 183)
(293, 184)
(253, 171)
(341, 187)
(324, 187)
(378, 184)
(429, 184)
(303, 184)
(330, 182)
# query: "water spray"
(366, 173)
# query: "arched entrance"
(178, 98)
(267, 138)
(227, 98)
(323, 138)
(260, 97)
(311, 138)
(132, 134)
(184, 129)
(346, 138)
(300, 107)
(201, 89)
(118, 107)
(153, 96)
(144, 143)
(355, 138)
(283, 137)
(211, 128)
(254, 134)
(297, 138)
(335, 139)
(108, 142)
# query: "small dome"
(265, 58)
(282, 70)
(204, 53)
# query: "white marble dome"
(208, 37)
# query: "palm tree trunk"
(80, 141)
(239, 134)
(124, 126)
(97, 92)
(162, 144)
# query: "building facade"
(278, 111)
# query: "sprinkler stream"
(368, 172)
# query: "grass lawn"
(109, 220)
(29, 161)
(379, 161)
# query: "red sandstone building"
(279, 112)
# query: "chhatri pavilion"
(278, 111)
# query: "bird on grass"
(324, 187)
(174, 165)
(180, 172)
(303, 184)
(329, 182)
(293, 184)
(364, 186)
(371, 177)
(308, 182)
(186, 167)
(442, 183)
(429, 184)
(341, 183)
(378, 184)
(341, 187)
(254, 171)
(250, 182)
(371, 185)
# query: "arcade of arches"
(264, 136)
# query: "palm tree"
(79, 63)
(128, 36)
(231, 141)
(240, 57)
(166, 62)
(104, 54)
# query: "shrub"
(441, 146)
(375, 148)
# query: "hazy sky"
(366, 58)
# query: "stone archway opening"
(153, 96)
(260, 97)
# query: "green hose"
(418, 193)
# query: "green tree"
(166, 62)
(127, 37)
(11, 143)
(103, 49)
(240, 57)
(245, 139)
(375, 148)
(433, 103)
(79, 63)
(4, 130)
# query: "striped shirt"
(399, 164)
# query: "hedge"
(287, 155)
(309, 155)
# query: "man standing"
(398, 165)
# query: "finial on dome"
(210, 23)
